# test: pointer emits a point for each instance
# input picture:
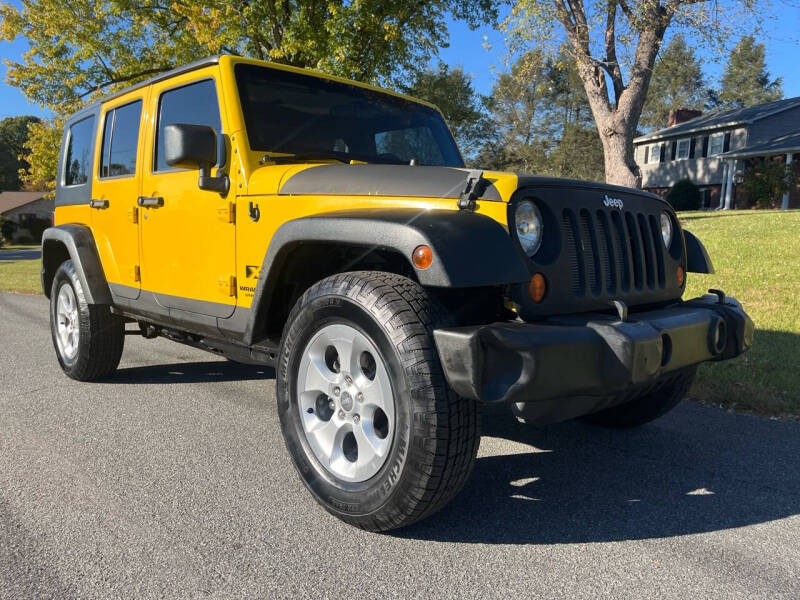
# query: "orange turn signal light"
(680, 276)
(422, 256)
(537, 287)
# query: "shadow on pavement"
(698, 469)
(192, 372)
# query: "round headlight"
(528, 223)
(666, 229)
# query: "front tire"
(373, 430)
(648, 406)
(88, 338)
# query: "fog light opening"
(666, 349)
(537, 287)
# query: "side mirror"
(194, 147)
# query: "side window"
(120, 140)
(194, 104)
(79, 152)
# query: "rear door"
(115, 189)
(188, 234)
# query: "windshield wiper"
(308, 156)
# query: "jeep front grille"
(613, 253)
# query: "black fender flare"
(80, 246)
(469, 250)
(697, 258)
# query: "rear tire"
(427, 437)
(88, 338)
(648, 406)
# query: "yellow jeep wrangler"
(328, 228)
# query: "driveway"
(172, 480)
(26, 254)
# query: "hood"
(393, 180)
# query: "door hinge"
(227, 285)
(227, 213)
(133, 214)
(136, 274)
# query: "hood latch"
(473, 190)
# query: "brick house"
(712, 150)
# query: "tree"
(614, 44)
(451, 90)
(677, 83)
(746, 81)
(41, 151)
(542, 121)
(13, 137)
(515, 106)
(83, 49)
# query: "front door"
(188, 234)
(115, 189)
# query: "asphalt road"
(26, 254)
(172, 480)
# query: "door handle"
(150, 201)
(94, 203)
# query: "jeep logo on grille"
(612, 202)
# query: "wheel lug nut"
(356, 418)
(360, 397)
(331, 405)
(341, 414)
(348, 380)
(336, 391)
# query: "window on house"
(79, 152)
(684, 147)
(654, 155)
(716, 143)
(120, 140)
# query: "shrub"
(684, 195)
(766, 180)
(7, 228)
(37, 227)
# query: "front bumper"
(591, 355)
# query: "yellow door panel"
(188, 234)
(115, 189)
(72, 213)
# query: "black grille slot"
(648, 250)
(622, 255)
(613, 253)
(574, 250)
(590, 254)
(656, 231)
(607, 254)
(635, 249)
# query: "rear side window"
(79, 152)
(120, 140)
(194, 104)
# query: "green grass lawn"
(756, 255)
(757, 258)
(20, 275)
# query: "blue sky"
(782, 39)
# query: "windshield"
(293, 114)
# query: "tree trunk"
(617, 140)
